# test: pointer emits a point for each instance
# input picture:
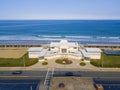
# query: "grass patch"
(64, 61)
(59, 61)
(17, 62)
(107, 61)
(45, 63)
(82, 64)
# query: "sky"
(59, 9)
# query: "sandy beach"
(12, 52)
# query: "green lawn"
(23, 61)
(59, 61)
(107, 61)
(45, 63)
(66, 61)
(82, 64)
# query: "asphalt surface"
(105, 78)
(39, 74)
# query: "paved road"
(39, 74)
(98, 76)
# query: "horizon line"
(59, 19)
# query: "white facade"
(34, 52)
(93, 53)
(64, 49)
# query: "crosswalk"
(48, 78)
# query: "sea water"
(83, 31)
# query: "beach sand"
(12, 52)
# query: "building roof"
(35, 49)
(64, 43)
(85, 54)
(43, 52)
(93, 50)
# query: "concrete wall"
(95, 55)
(33, 54)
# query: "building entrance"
(64, 50)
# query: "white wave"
(20, 37)
(26, 38)
(48, 36)
(114, 37)
(75, 37)
(78, 36)
(101, 37)
(62, 36)
(13, 37)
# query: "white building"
(92, 53)
(34, 52)
(64, 49)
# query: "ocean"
(82, 31)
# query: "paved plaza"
(75, 65)
(72, 83)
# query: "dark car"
(17, 72)
(68, 74)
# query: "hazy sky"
(59, 9)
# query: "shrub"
(45, 63)
(82, 64)
(61, 61)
